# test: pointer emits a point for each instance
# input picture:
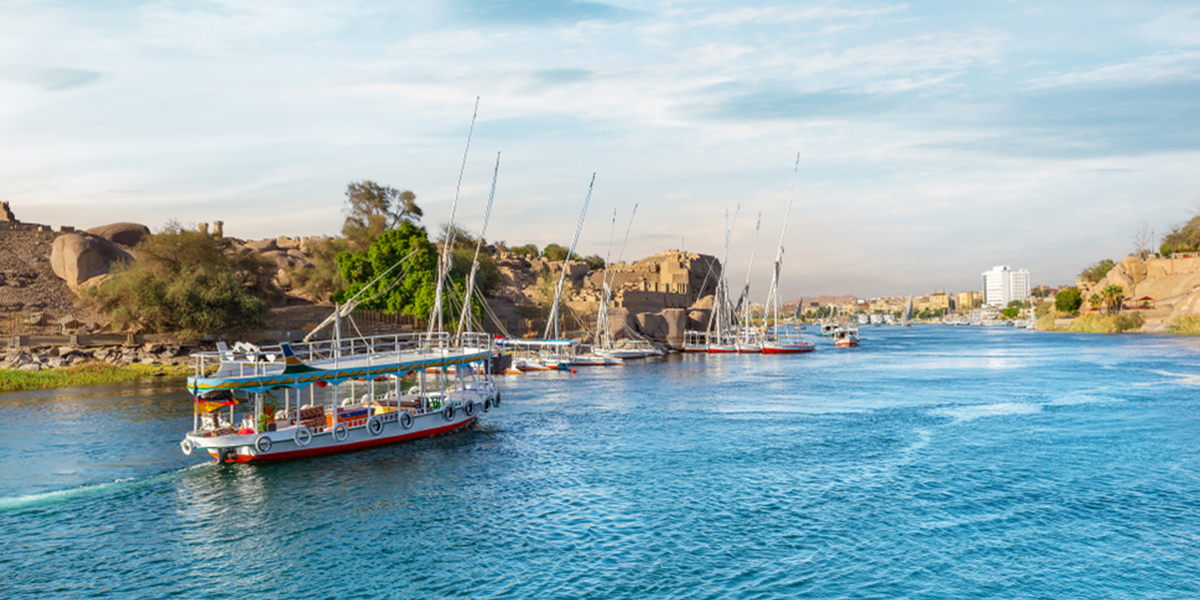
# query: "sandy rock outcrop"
(76, 257)
(1170, 282)
(125, 234)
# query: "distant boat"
(846, 337)
(906, 321)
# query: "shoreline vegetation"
(89, 373)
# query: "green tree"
(412, 287)
(1182, 238)
(1111, 296)
(372, 209)
(1068, 300)
(1096, 272)
(322, 278)
(595, 262)
(554, 253)
(528, 250)
(462, 253)
(462, 237)
(188, 283)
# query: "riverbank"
(44, 367)
(91, 373)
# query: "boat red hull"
(371, 443)
(800, 350)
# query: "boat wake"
(93, 489)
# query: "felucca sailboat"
(783, 340)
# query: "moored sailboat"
(787, 340)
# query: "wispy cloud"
(541, 11)
(53, 79)
(1163, 67)
(774, 15)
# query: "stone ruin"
(9, 222)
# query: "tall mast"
(606, 288)
(745, 298)
(602, 310)
(721, 297)
(552, 324)
(464, 324)
(773, 294)
(444, 263)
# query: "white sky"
(937, 138)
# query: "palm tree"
(1111, 296)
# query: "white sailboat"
(720, 336)
(785, 340)
(551, 352)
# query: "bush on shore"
(1046, 321)
(1094, 323)
(92, 373)
(187, 282)
(1185, 325)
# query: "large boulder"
(1134, 268)
(126, 234)
(677, 323)
(266, 245)
(77, 258)
(652, 325)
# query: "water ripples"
(944, 463)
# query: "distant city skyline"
(935, 137)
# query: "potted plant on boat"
(266, 420)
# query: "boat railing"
(250, 361)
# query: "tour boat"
(846, 337)
(337, 395)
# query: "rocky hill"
(1171, 284)
(42, 272)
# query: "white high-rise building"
(1002, 285)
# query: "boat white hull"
(797, 348)
(288, 443)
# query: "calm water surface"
(931, 462)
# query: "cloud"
(772, 101)
(556, 12)
(772, 15)
(562, 76)
(54, 79)
(1163, 67)
(1175, 28)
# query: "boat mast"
(773, 294)
(602, 311)
(552, 324)
(464, 324)
(745, 298)
(606, 288)
(444, 264)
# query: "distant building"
(966, 300)
(1002, 285)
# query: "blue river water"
(931, 462)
